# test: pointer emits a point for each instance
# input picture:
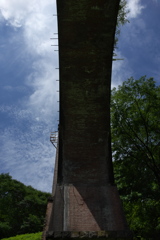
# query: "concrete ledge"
(88, 235)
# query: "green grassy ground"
(31, 236)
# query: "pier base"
(87, 212)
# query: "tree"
(122, 14)
(121, 19)
(135, 127)
(22, 208)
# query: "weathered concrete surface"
(86, 235)
(86, 38)
(85, 198)
(47, 217)
(87, 208)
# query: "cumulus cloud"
(28, 156)
(26, 150)
(121, 70)
(135, 7)
(16, 12)
(37, 23)
(44, 100)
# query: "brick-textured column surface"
(86, 202)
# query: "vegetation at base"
(31, 236)
(22, 208)
(135, 128)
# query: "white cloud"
(38, 24)
(28, 154)
(135, 7)
(36, 19)
(121, 70)
(44, 99)
(27, 157)
(15, 11)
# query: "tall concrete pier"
(85, 200)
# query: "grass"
(30, 236)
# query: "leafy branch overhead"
(121, 20)
(122, 13)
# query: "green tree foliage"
(121, 18)
(22, 208)
(122, 13)
(31, 236)
(135, 127)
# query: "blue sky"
(28, 86)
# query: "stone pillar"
(86, 201)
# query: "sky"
(28, 74)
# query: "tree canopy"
(135, 128)
(22, 208)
